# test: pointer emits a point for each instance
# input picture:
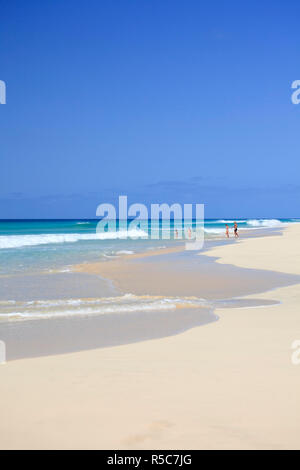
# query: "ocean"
(46, 245)
(47, 307)
(36, 259)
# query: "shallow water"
(43, 245)
(45, 308)
(46, 337)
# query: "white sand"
(230, 384)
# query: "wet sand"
(35, 338)
(60, 336)
(186, 273)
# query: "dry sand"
(229, 384)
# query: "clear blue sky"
(163, 100)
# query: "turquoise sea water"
(39, 245)
(47, 308)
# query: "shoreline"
(143, 296)
(206, 388)
(177, 272)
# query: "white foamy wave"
(89, 311)
(18, 241)
(152, 248)
(62, 270)
(227, 221)
(214, 230)
(128, 303)
(255, 223)
(265, 223)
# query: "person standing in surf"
(227, 230)
(235, 229)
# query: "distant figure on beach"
(227, 230)
(176, 233)
(235, 229)
(189, 232)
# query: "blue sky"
(162, 100)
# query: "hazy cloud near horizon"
(220, 200)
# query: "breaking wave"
(128, 303)
(265, 223)
(18, 241)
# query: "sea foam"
(128, 303)
(18, 241)
(265, 223)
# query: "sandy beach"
(229, 384)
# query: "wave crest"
(265, 223)
(18, 241)
(128, 303)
